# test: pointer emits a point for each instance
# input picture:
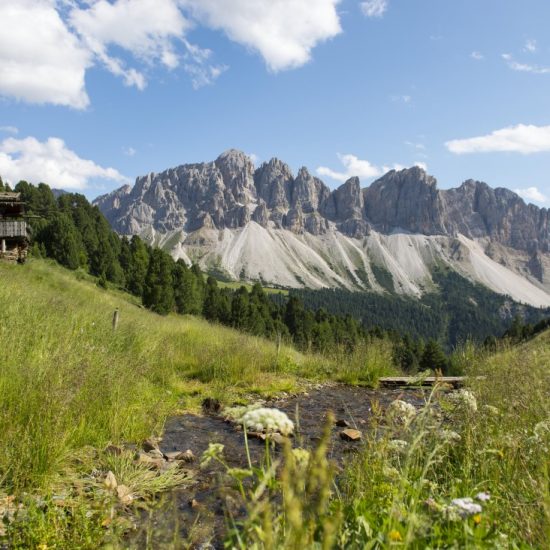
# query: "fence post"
(115, 319)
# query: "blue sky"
(93, 94)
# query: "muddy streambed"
(197, 512)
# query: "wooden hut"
(14, 242)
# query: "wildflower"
(477, 519)
(464, 400)
(491, 410)
(401, 412)
(397, 445)
(213, 452)
(465, 507)
(301, 456)
(483, 497)
(267, 420)
(395, 536)
(450, 436)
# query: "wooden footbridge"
(416, 381)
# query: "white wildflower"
(465, 507)
(397, 445)
(267, 420)
(401, 412)
(491, 410)
(483, 497)
(450, 436)
(464, 400)
(236, 413)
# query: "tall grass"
(68, 380)
(490, 444)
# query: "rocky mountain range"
(291, 230)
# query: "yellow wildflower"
(477, 519)
(395, 536)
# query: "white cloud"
(478, 56)
(522, 138)
(51, 162)
(46, 46)
(422, 165)
(9, 130)
(524, 67)
(129, 151)
(531, 194)
(41, 61)
(145, 28)
(354, 166)
(284, 32)
(530, 46)
(374, 8)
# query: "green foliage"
(458, 312)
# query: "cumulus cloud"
(354, 166)
(145, 28)
(284, 32)
(374, 8)
(46, 46)
(531, 194)
(524, 67)
(522, 138)
(50, 161)
(41, 61)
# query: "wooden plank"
(415, 381)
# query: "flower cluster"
(401, 412)
(449, 436)
(541, 435)
(234, 414)
(463, 400)
(462, 508)
(267, 420)
(397, 445)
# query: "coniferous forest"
(70, 230)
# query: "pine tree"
(433, 357)
(63, 242)
(158, 292)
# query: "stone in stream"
(153, 463)
(211, 405)
(342, 423)
(150, 444)
(155, 453)
(350, 434)
(185, 456)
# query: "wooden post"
(3, 246)
(115, 319)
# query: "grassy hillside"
(68, 380)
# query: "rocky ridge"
(193, 208)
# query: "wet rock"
(156, 453)
(153, 463)
(150, 444)
(342, 423)
(110, 481)
(211, 405)
(351, 435)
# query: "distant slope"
(457, 311)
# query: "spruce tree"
(158, 292)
